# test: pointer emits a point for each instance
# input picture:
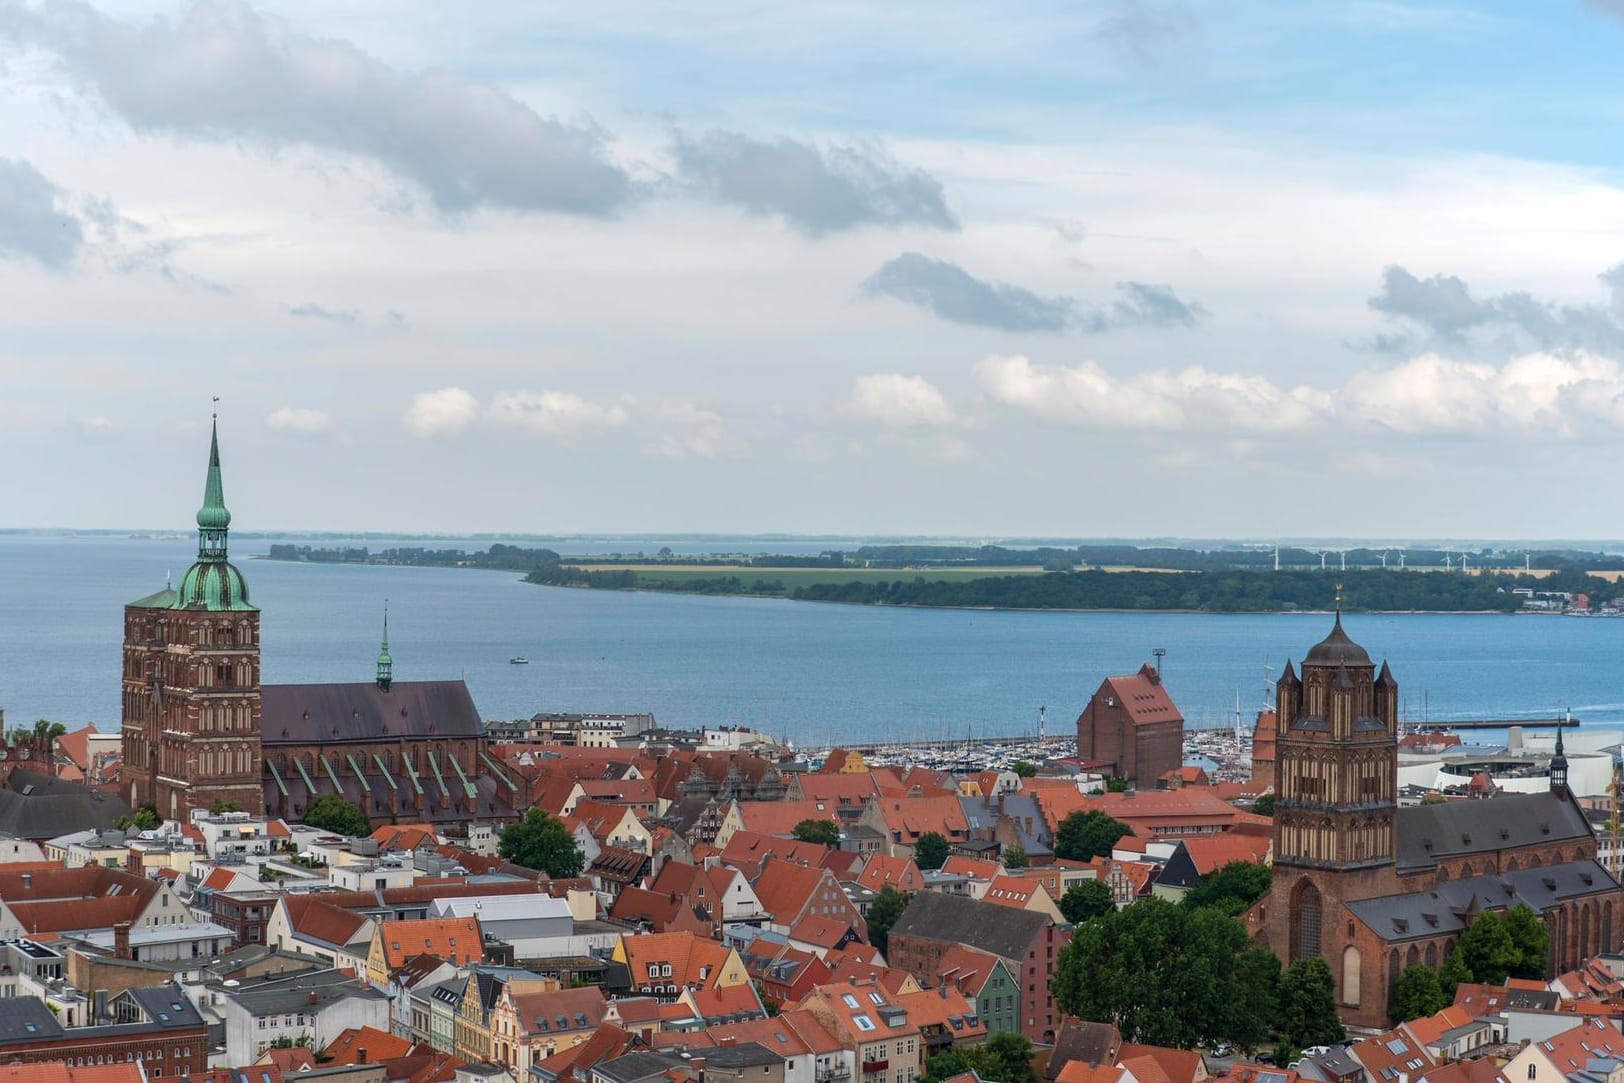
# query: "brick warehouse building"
(199, 728)
(1132, 725)
(1372, 888)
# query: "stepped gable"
(314, 714)
(1428, 834)
(1001, 931)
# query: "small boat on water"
(518, 660)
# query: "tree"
(1256, 1001)
(1264, 806)
(333, 813)
(1085, 835)
(1163, 974)
(224, 806)
(1005, 1057)
(1117, 785)
(883, 913)
(1308, 1005)
(1486, 949)
(45, 731)
(146, 818)
(1453, 973)
(540, 841)
(930, 852)
(1014, 857)
(1024, 768)
(1232, 888)
(1530, 942)
(1086, 900)
(1417, 993)
(821, 832)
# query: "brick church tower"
(1336, 799)
(191, 697)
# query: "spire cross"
(215, 413)
(1339, 599)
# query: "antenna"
(1042, 711)
(1159, 653)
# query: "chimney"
(28, 881)
(121, 939)
(100, 1002)
(361, 1055)
(312, 998)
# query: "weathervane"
(1339, 597)
(215, 413)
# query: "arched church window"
(1350, 975)
(1306, 911)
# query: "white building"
(313, 1009)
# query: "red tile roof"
(1177, 1065)
(377, 1044)
(1143, 697)
(456, 940)
(313, 918)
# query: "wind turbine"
(1277, 557)
(1447, 559)
(1463, 566)
(1384, 560)
(1343, 557)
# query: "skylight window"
(849, 1000)
(863, 1022)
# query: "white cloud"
(442, 411)
(96, 426)
(1536, 393)
(692, 432)
(902, 401)
(559, 414)
(288, 419)
(1090, 397)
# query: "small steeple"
(213, 520)
(386, 664)
(1559, 764)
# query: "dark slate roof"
(1080, 1039)
(1336, 649)
(35, 806)
(743, 1055)
(1430, 833)
(997, 930)
(1451, 907)
(165, 1006)
(1179, 871)
(23, 1013)
(635, 1066)
(300, 714)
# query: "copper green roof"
(164, 599)
(212, 583)
(213, 514)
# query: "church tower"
(1336, 797)
(191, 732)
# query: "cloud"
(956, 295)
(1194, 398)
(1536, 394)
(224, 72)
(309, 310)
(1444, 307)
(1539, 392)
(816, 190)
(902, 401)
(693, 432)
(31, 225)
(1144, 305)
(97, 426)
(1144, 32)
(559, 414)
(1614, 8)
(307, 422)
(446, 410)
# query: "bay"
(814, 673)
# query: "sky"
(1116, 268)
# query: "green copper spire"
(212, 583)
(386, 664)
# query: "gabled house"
(1558, 1058)
(897, 873)
(309, 925)
(988, 983)
(872, 1023)
(791, 893)
(904, 820)
(458, 941)
(530, 1022)
(664, 964)
(749, 852)
(784, 973)
(1019, 893)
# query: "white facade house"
(313, 1009)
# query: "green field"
(651, 575)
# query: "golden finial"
(1339, 597)
(215, 413)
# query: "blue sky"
(1125, 267)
